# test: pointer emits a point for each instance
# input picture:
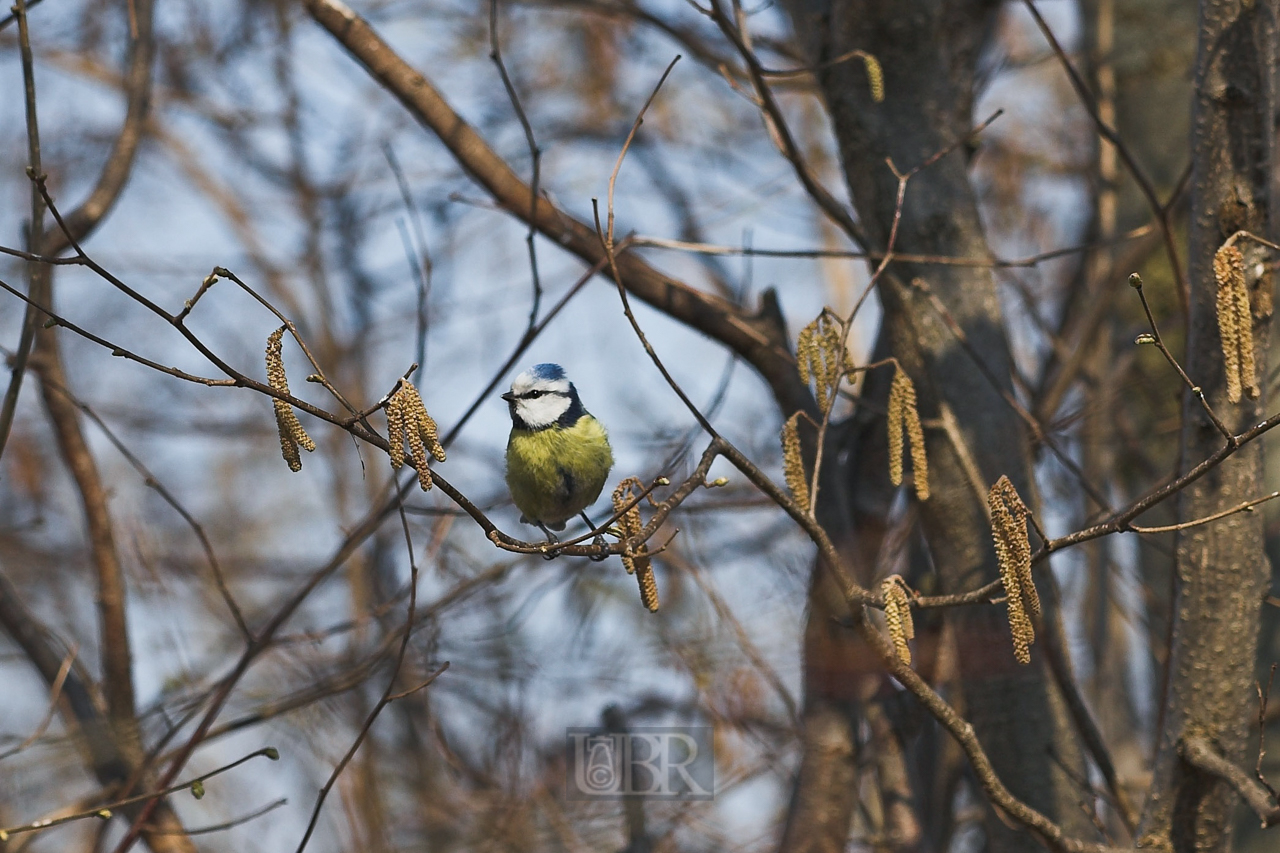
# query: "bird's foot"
(549, 551)
(598, 541)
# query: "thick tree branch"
(757, 338)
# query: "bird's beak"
(509, 397)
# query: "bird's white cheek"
(543, 411)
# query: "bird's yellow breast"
(557, 472)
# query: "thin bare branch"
(1247, 506)
(535, 156)
(1159, 211)
(1135, 281)
(106, 811)
(154, 483)
(55, 693)
(781, 133)
(37, 276)
(386, 694)
(1200, 754)
(642, 242)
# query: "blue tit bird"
(558, 455)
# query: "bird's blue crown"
(547, 371)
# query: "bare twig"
(55, 319)
(386, 694)
(1159, 210)
(606, 241)
(780, 132)
(154, 483)
(234, 822)
(1119, 521)
(421, 262)
(1037, 430)
(535, 155)
(13, 16)
(1246, 235)
(355, 675)
(1199, 753)
(813, 69)
(55, 693)
(1246, 506)
(319, 376)
(1263, 697)
(1135, 281)
(690, 568)
(37, 276)
(106, 810)
(642, 242)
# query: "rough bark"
(1221, 570)
(928, 51)
(825, 792)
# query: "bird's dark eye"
(533, 395)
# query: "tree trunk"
(1221, 570)
(928, 52)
